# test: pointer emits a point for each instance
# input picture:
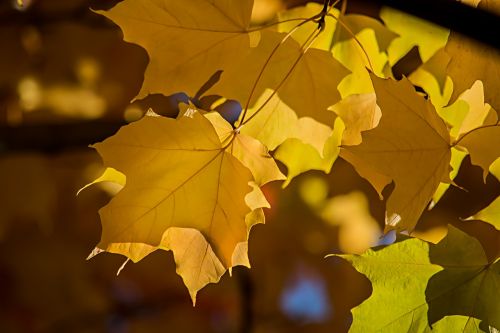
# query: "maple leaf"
(413, 31)
(314, 147)
(195, 259)
(476, 143)
(433, 78)
(249, 151)
(466, 114)
(351, 24)
(189, 187)
(453, 277)
(490, 214)
(273, 124)
(179, 176)
(464, 52)
(411, 146)
(289, 17)
(315, 71)
(359, 113)
(357, 55)
(187, 41)
(357, 23)
(109, 175)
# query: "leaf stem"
(353, 35)
(473, 130)
(269, 25)
(305, 46)
(273, 52)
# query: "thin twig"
(273, 52)
(310, 40)
(473, 130)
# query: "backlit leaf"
(187, 41)
(411, 146)
(309, 87)
(490, 214)
(299, 154)
(413, 31)
(179, 176)
(420, 285)
(480, 144)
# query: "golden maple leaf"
(411, 146)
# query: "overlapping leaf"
(172, 160)
(300, 153)
(187, 41)
(412, 31)
(476, 143)
(359, 113)
(182, 184)
(316, 72)
(466, 114)
(411, 146)
(490, 214)
(421, 285)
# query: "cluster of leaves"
(314, 85)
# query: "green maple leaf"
(419, 286)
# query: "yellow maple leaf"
(359, 113)
(413, 31)
(273, 124)
(302, 152)
(196, 262)
(357, 23)
(187, 191)
(466, 114)
(490, 214)
(432, 77)
(217, 33)
(249, 151)
(482, 145)
(357, 59)
(305, 80)
(178, 175)
(289, 17)
(411, 146)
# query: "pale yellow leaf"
(308, 87)
(251, 152)
(109, 175)
(359, 113)
(324, 40)
(300, 156)
(350, 54)
(273, 124)
(490, 214)
(432, 77)
(413, 31)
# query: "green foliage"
(419, 285)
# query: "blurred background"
(66, 80)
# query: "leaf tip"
(94, 252)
